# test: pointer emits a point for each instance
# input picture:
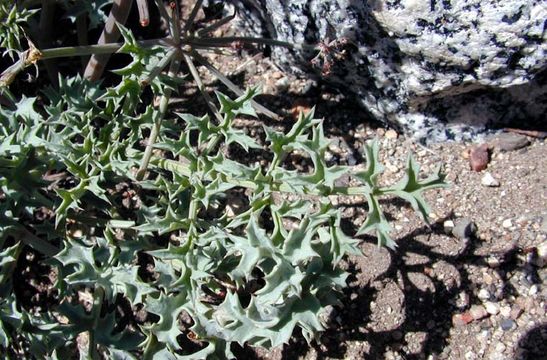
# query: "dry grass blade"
(195, 74)
(190, 22)
(218, 24)
(111, 33)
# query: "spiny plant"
(145, 253)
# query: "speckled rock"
(437, 70)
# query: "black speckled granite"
(438, 69)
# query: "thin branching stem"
(232, 86)
(163, 11)
(98, 49)
(208, 29)
(164, 101)
(144, 81)
(191, 18)
(195, 74)
(174, 24)
(184, 170)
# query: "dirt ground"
(469, 285)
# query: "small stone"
(516, 311)
(493, 262)
(510, 142)
(478, 312)
(489, 181)
(448, 226)
(478, 157)
(507, 223)
(507, 324)
(461, 319)
(483, 294)
(283, 83)
(464, 229)
(542, 252)
(491, 308)
(533, 290)
(500, 347)
(505, 311)
(463, 300)
(487, 278)
(391, 134)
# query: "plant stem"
(195, 74)
(190, 22)
(184, 170)
(97, 49)
(164, 101)
(233, 86)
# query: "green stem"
(97, 305)
(164, 102)
(184, 170)
(98, 49)
(195, 74)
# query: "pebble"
(542, 252)
(507, 324)
(448, 226)
(510, 142)
(478, 157)
(478, 312)
(483, 294)
(505, 311)
(489, 181)
(533, 290)
(464, 229)
(283, 83)
(491, 308)
(507, 223)
(391, 134)
(493, 261)
(461, 319)
(500, 347)
(463, 300)
(487, 278)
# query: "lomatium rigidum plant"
(127, 208)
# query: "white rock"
(505, 311)
(507, 223)
(542, 253)
(448, 225)
(533, 290)
(483, 294)
(489, 180)
(438, 54)
(491, 307)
